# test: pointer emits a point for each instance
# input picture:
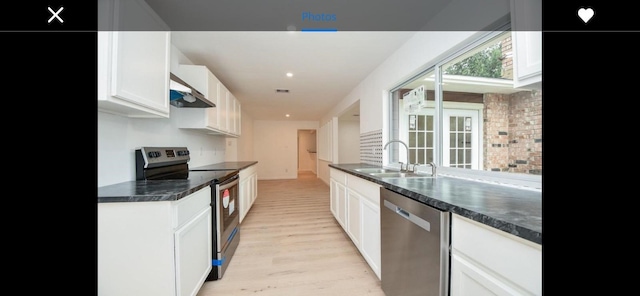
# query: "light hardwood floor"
(290, 244)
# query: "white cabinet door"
(341, 204)
(338, 198)
(231, 111)
(234, 115)
(238, 117)
(134, 66)
(248, 189)
(224, 108)
(371, 234)
(193, 254)
(356, 208)
(254, 187)
(333, 199)
(140, 69)
(526, 16)
(369, 216)
(354, 226)
(245, 197)
(160, 248)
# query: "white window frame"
(523, 181)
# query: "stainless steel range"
(170, 163)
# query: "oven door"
(226, 211)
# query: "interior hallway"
(290, 244)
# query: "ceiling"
(326, 66)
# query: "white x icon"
(55, 14)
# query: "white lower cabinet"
(370, 247)
(354, 216)
(487, 261)
(355, 203)
(190, 243)
(248, 186)
(338, 199)
(159, 248)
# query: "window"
(463, 113)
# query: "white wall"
(348, 141)
(118, 137)
(275, 145)
(416, 54)
(419, 53)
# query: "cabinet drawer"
(188, 207)
(246, 172)
(339, 176)
(367, 189)
(510, 257)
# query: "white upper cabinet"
(526, 15)
(133, 67)
(205, 82)
(223, 119)
(234, 114)
(223, 108)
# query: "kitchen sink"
(390, 174)
(373, 170)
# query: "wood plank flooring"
(290, 244)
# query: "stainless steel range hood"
(183, 95)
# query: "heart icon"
(585, 14)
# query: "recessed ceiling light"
(289, 74)
(287, 115)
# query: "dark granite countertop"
(513, 210)
(157, 190)
(233, 165)
(168, 190)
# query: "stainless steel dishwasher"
(415, 247)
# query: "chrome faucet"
(405, 146)
(433, 168)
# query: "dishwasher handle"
(424, 224)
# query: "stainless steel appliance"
(415, 247)
(183, 95)
(227, 223)
(170, 163)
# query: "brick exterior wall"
(513, 132)
(507, 61)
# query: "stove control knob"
(183, 152)
(153, 154)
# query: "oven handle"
(229, 183)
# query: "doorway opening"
(307, 153)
